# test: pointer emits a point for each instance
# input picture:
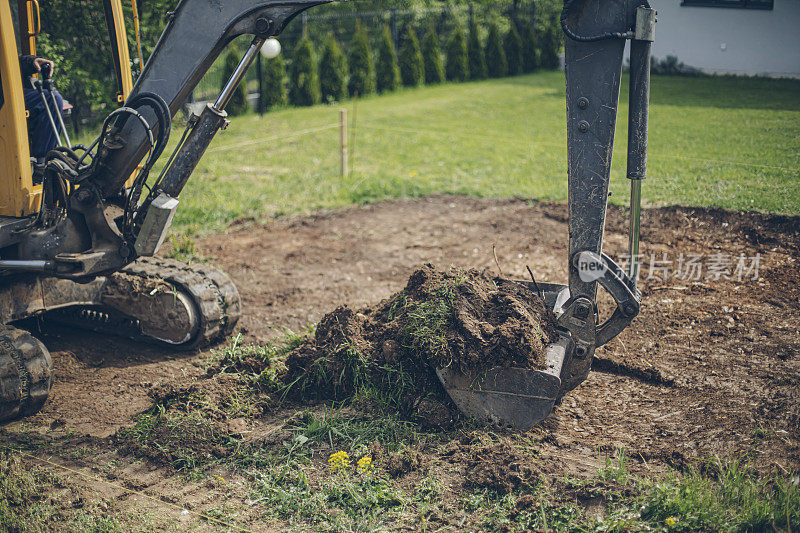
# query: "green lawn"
(728, 142)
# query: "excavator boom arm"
(196, 33)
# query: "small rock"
(390, 350)
(237, 426)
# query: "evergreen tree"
(477, 61)
(362, 68)
(530, 52)
(457, 62)
(432, 57)
(332, 71)
(238, 102)
(496, 63)
(412, 67)
(549, 36)
(304, 87)
(513, 47)
(387, 71)
(274, 83)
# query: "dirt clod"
(400, 463)
(500, 467)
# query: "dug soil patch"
(710, 367)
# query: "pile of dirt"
(465, 319)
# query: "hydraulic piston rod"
(639, 95)
(205, 127)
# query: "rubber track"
(211, 290)
(26, 373)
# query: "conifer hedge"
(457, 61)
(477, 60)
(304, 86)
(513, 47)
(432, 57)
(332, 71)
(238, 102)
(387, 72)
(362, 67)
(412, 67)
(530, 52)
(496, 64)
(273, 85)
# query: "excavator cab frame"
(20, 197)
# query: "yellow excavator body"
(19, 196)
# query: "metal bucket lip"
(517, 397)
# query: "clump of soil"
(402, 462)
(501, 468)
(181, 440)
(464, 319)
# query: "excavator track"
(212, 292)
(148, 297)
(26, 373)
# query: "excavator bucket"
(511, 396)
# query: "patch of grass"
(718, 141)
(261, 364)
(396, 394)
(21, 495)
(189, 441)
(616, 468)
(353, 432)
(182, 248)
(727, 495)
(721, 496)
(426, 322)
(365, 499)
(290, 487)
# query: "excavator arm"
(196, 32)
(595, 35)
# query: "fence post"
(343, 139)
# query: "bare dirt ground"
(710, 366)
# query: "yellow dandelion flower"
(670, 521)
(339, 460)
(364, 464)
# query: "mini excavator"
(79, 231)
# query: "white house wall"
(730, 40)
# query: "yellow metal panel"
(117, 33)
(122, 46)
(18, 196)
(30, 25)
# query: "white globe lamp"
(271, 48)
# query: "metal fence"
(340, 21)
